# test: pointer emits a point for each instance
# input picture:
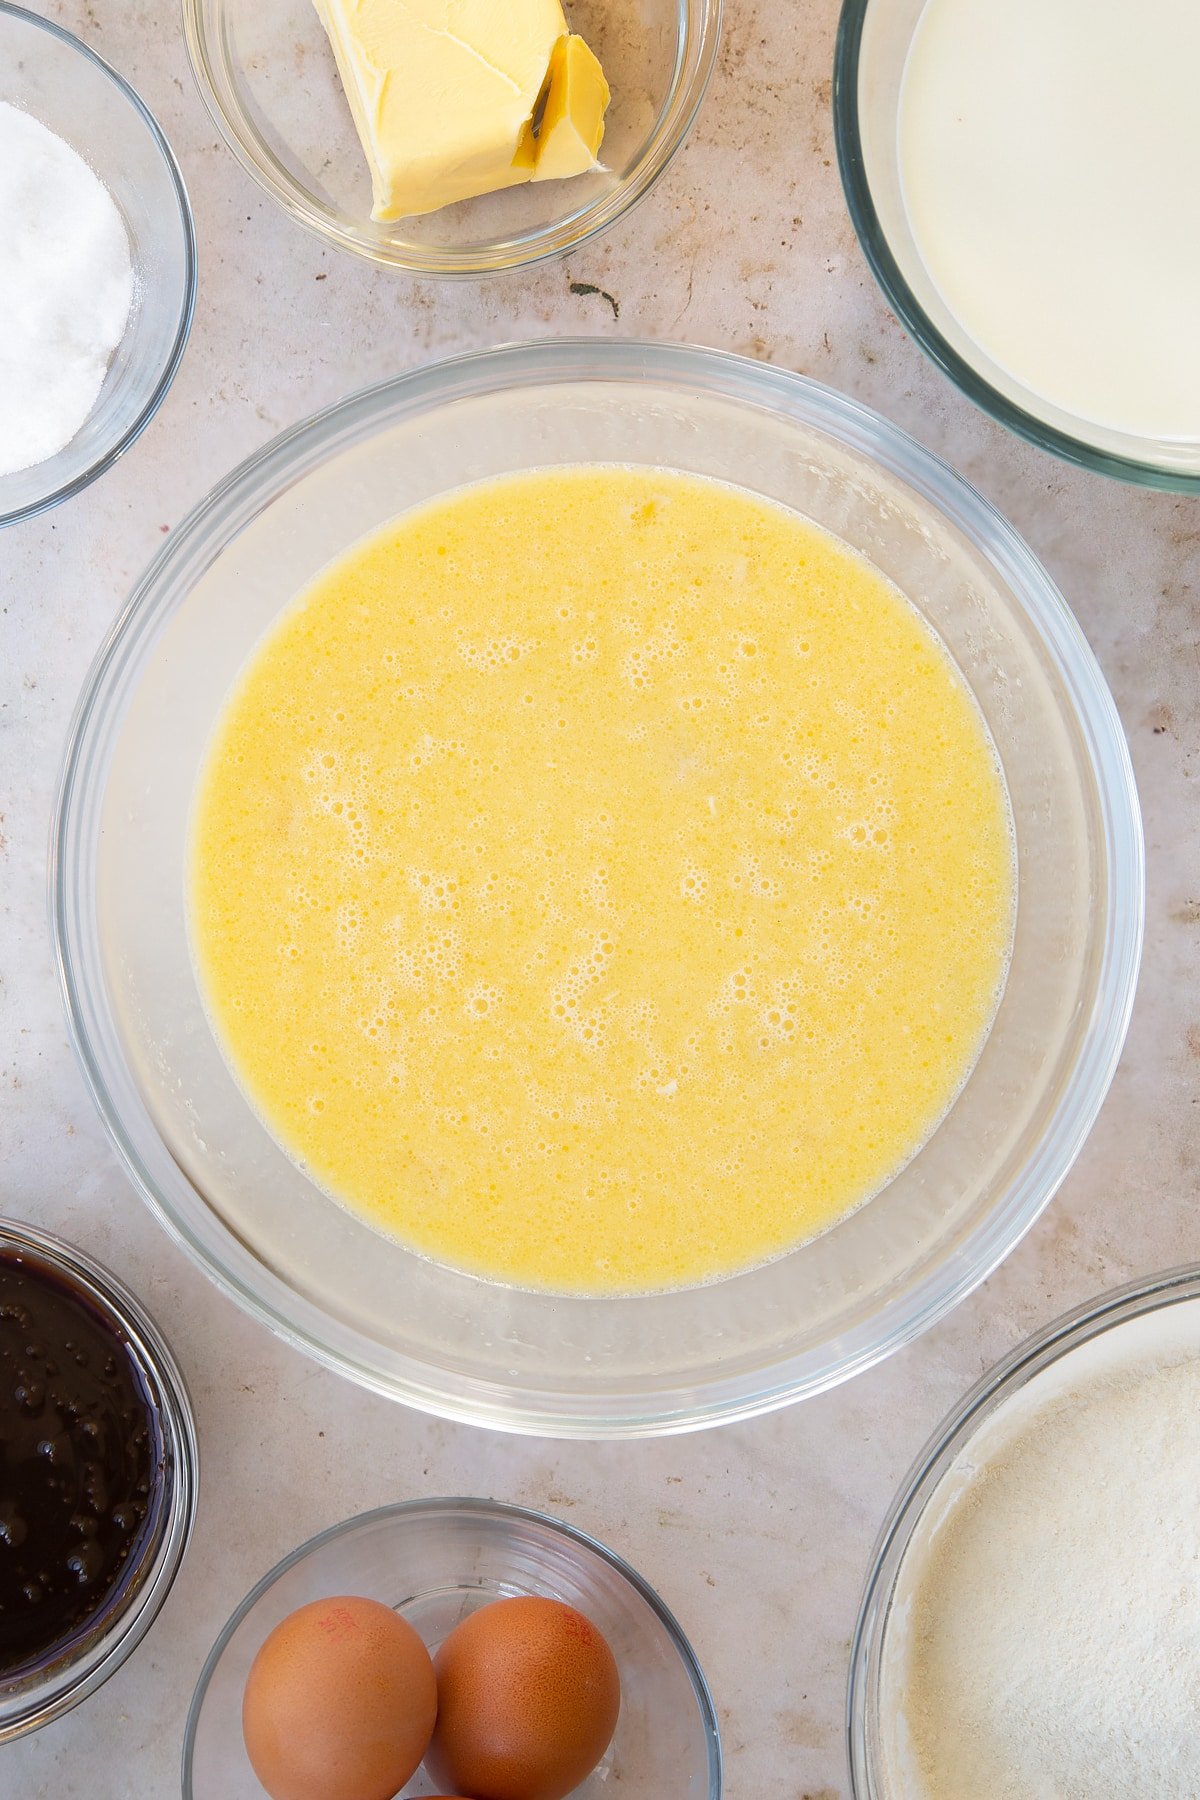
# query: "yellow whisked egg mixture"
(601, 880)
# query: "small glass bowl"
(874, 37)
(99, 1648)
(64, 84)
(435, 1561)
(268, 77)
(870, 1777)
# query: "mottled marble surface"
(759, 1535)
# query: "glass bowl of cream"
(271, 82)
(504, 1352)
(77, 129)
(1019, 177)
(1032, 1617)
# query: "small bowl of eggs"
(451, 1648)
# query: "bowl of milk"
(1020, 174)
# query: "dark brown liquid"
(80, 1453)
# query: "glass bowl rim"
(1034, 1354)
(64, 1687)
(105, 459)
(241, 496)
(495, 256)
(501, 1510)
(912, 315)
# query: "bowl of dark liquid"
(98, 1469)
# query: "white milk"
(1050, 160)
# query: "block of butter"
(454, 98)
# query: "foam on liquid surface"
(601, 880)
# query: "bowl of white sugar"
(97, 265)
(1031, 1625)
(1022, 175)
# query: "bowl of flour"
(97, 265)
(1031, 1626)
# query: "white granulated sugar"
(1050, 1633)
(66, 287)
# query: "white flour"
(66, 287)
(1049, 1630)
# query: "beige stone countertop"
(759, 1535)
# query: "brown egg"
(528, 1697)
(340, 1700)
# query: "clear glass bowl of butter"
(270, 79)
(593, 1365)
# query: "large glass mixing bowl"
(426, 1333)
